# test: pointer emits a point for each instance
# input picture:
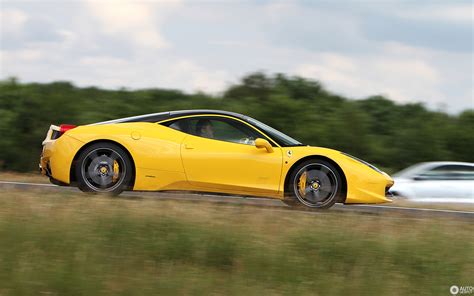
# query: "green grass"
(73, 244)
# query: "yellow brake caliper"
(302, 184)
(116, 171)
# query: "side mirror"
(262, 143)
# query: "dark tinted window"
(450, 172)
(281, 138)
(216, 128)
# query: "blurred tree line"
(389, 135)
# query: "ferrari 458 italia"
(206, 151)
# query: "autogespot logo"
(458, 290)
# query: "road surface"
(253, 201)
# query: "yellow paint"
(263, 144)
(223, 165)
(364, 185)
(167, 159)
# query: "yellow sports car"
(207, 151)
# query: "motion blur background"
(389, 82)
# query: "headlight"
(364, 162)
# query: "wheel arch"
(342, 198)
(72, 172)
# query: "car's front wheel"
(103, 168)
(314, 184)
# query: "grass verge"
(73, 244)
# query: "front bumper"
(368, 186)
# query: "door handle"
(187, 146)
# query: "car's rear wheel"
(104, 168)
(314, 184)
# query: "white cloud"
(400, 78)
(275, 10)
(136, 20)
(11, 20)
(123, 44)
(200, 79)
(452, 12)
(23, 55)
(103, 61)
(111, 72)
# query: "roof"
(206, 111)
(428, 164)
(155, 117)
(424, 166)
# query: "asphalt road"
(255, 202)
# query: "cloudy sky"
(407, 50)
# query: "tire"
(314, 184)
(104, 168)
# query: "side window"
(179, 125)
(216, 128)
(450, 172)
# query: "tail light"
(65, 127)
(55, 132)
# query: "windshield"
(411, 170)
(279, 137)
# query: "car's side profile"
(210, 151)
(442, 181)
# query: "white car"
(436, 182)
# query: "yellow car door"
(219, 153)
